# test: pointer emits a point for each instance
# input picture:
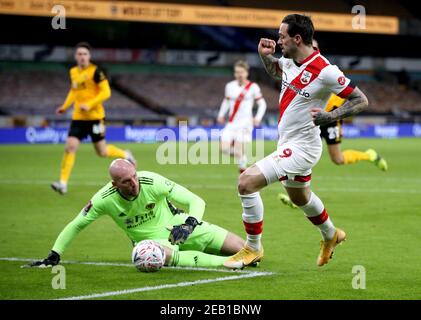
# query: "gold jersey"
(90, 88)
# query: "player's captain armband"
(336, 82)
(99, 75)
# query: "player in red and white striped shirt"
(240, 97)
(308, 80)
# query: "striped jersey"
(305, 86)
(241, 100)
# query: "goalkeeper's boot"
(245, 257)
(130, 157)
(286, 200)
(59, 187)
(378, 160)
(327, 247)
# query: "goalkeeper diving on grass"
(141, 203)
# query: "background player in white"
(308, 79)
(240, 96)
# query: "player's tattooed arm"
(270, 63)
(266, 50)
(356, 102)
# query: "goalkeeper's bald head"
(124, 177)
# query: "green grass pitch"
(380, 212)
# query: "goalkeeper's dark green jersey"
(145, 217)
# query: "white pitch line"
(116, 264)
(168, 286)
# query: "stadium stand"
(26, 92)
(188, 94)
(38, 93)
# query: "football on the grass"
(148, 256)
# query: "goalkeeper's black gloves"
(53, 259)
(180, 233)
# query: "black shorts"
(332, 132)
(82, 128)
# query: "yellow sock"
(114, 152)
(67, 166)
(352, 156)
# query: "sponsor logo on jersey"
(298, 91)
(139, 219)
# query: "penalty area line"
(168, 286)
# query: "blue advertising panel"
(32, 135)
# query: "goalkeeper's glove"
(180, 233)
(53, 259)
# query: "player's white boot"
(59, 187)
(130, 157)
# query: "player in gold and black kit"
(89, 89)
(332, 133)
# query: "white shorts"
(290, 165)
(238, 134)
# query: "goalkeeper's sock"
(196, 259)
(352, 156)
(253, 219)
(66, 166)
(317, 214)
(114, 152)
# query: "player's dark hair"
(84, 45)
(301, 25)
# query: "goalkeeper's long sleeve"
(70, 232)
(187, 198)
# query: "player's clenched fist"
(266, 46)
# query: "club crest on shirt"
(305, 77)
(150, 206)
(341, 80)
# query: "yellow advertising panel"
(195, 14)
